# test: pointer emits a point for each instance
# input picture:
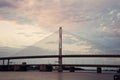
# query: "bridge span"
(57, 56)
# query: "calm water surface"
(55, 76)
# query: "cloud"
(118, 15)
(16, 35)
(7, 51)
(54, 13)
(96, 20)
(33, 50)
(5, 3)
(46, 12)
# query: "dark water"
(55, 76)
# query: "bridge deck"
(56, 56)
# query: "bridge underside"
(63, 56)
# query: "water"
(55, 76)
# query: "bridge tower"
(60, 49)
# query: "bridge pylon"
(60, 50)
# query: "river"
(55, 76)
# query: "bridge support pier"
(8, 64)
(118, 70)
(72, 69)
(99, 70)
(60, 62)
(3, 62)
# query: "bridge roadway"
(57, 56)
(66, 56)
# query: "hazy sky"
(23, 22)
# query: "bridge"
(61, 56)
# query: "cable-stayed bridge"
(70, 46)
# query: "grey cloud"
(10, 10)
(80, 11)
(80, 16)
(7, 51)
(5, 3)
(32, 50)
(70, 11)
(115, 51)
(104, 44)
(107, 44)
(18, 18)
(74, 11)
(69, 40)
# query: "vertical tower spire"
(60, 49)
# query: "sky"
(96, 22)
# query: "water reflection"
(55, 76)
(60, 76)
